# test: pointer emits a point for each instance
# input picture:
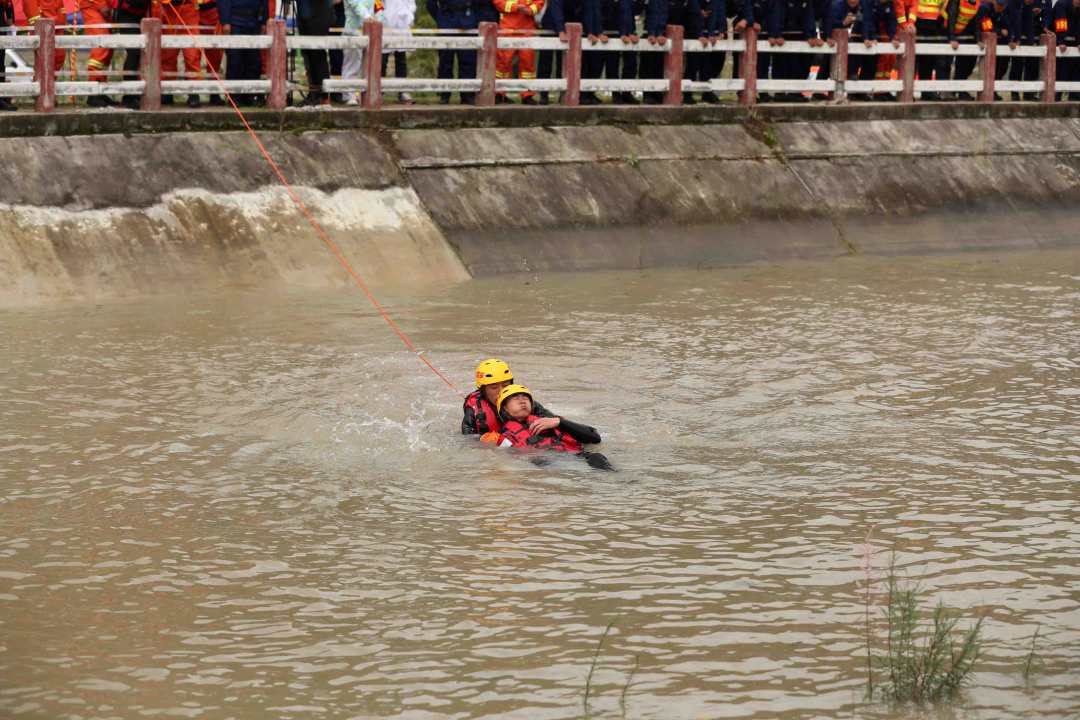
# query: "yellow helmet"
(510, 390)
(492, 371)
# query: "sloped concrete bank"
(435, 195)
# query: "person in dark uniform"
(314, 17)
(459, 15)
(658, 15)
(1001, 17)
(703, 67)
(865, 18)
(791, 20)
(604, 21)
(1033, 15)
(1066, 27)
(244, 17)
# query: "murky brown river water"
(259, 506)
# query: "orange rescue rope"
(310, 218)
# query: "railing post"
(748, 67)
(674, 62)
(572, 60)
(989, 66)
(45, 65)
(1048, 67)
(278, 69)
(373, 64)
(840, 63)
(907, 67)
(485, 68)
(150, 64)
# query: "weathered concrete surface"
(493, 192)
(750, 191)
(107, 216)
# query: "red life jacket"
(481, 414)
(516, 433)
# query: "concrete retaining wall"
(108, 214)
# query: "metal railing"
(151, 86)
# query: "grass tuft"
(923, 662)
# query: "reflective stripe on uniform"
(1061, 25)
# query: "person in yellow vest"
(960, 30)
(930, 27)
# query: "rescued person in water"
(515, 406)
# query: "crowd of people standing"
(958, 22)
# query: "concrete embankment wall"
(101, 205)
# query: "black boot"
(6, 105)
(99, 101)
(217, 101)
(193, 101)
(131, 102)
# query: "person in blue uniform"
(1065, 24)
(1001, 17)
(790, 20)
(866, 19)
(1033, 14)
(243, 17)
(703, 67)
(556, 13)
(457, 15)
(658, 15)
(609, 21)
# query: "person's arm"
(541, 411)
(584, 434)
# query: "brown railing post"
(674, 62)
(485, 67)
(45, 65)
(840, 63)
(989, 66)
(278, 65)
(748, 67)
(373, 64)
(907, 67)
(1048, 67)
(572, 65)
(150, 64)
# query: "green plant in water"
(1033, 661)
(923, 663)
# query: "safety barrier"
(487, 41)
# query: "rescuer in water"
(480, 414)
(516, 412)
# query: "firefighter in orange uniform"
(518, 16)
(173, 13)
(60, 12)
(96, 13)
(208, 18)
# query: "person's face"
(491, 392)
(518, 406)
(852, 4)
